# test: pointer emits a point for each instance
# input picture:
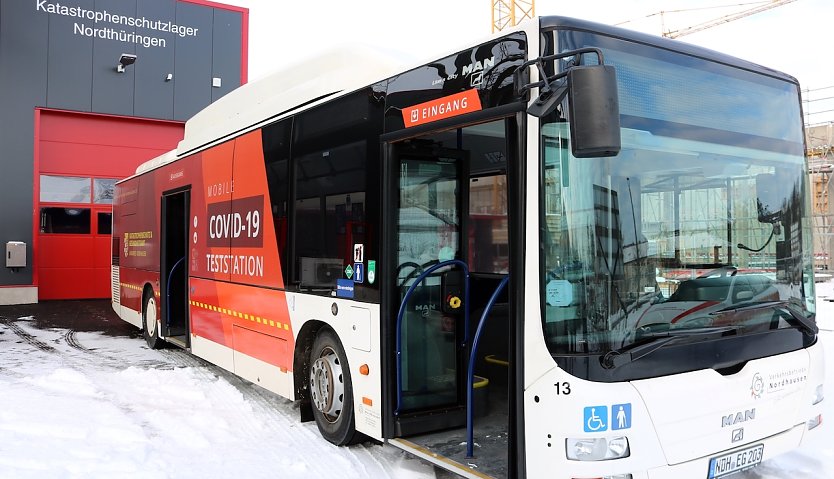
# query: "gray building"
(89, 89)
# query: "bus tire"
(150, 326)
(331, 392)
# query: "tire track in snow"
(26, 337)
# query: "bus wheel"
(149, 324)
(331, 393)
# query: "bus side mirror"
(594, 111)
(769, 199)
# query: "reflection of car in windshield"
(697, 302)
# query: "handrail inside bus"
(401, 312)
(168, 291)
(470, 373)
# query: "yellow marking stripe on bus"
(135, 287)
(130, 286)
(238, 314)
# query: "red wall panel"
(100, 145)
(76, 144)
(85, 159)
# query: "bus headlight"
(597, 449)
(818, 395)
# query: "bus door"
(174, 263)
(450, 213)
(431, 196)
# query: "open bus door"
(174, 263)
(429, 230)
(440, 290)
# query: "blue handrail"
(168, 291)
(470, 373)
(401, 312)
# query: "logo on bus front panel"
(757, 386)
(738, 417)
(475, 71)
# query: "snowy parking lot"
(92, 404)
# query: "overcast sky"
(793, 38)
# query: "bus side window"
(335, 157)
(276, 144)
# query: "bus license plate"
(735, 461)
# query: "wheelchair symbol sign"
(595, 419)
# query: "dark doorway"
(173, 267)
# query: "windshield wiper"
(656, 340)
(795, 316)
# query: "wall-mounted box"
(15, 254)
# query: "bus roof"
(340, 70)
(349, 67)
(343, 69)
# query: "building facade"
(820, 142)
(90, 89)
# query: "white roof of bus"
(343, 69)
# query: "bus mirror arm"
(592, 98)
(551, 92)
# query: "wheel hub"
(327, 385)
(150, 317)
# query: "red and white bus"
(586, 247)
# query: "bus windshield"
(700, 223)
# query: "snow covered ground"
(70, 406)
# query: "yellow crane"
(508, 13)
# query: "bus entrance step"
(409, 424)
(178, 341)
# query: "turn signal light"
(364, 370)
(819, 395)
(814, 422)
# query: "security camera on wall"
(124, 60)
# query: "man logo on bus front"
(476, 80)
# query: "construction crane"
(757, 7)
(508, 13)
(760, 7)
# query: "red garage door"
(80, 157)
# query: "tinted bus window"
(335, 165)
(276, 143)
